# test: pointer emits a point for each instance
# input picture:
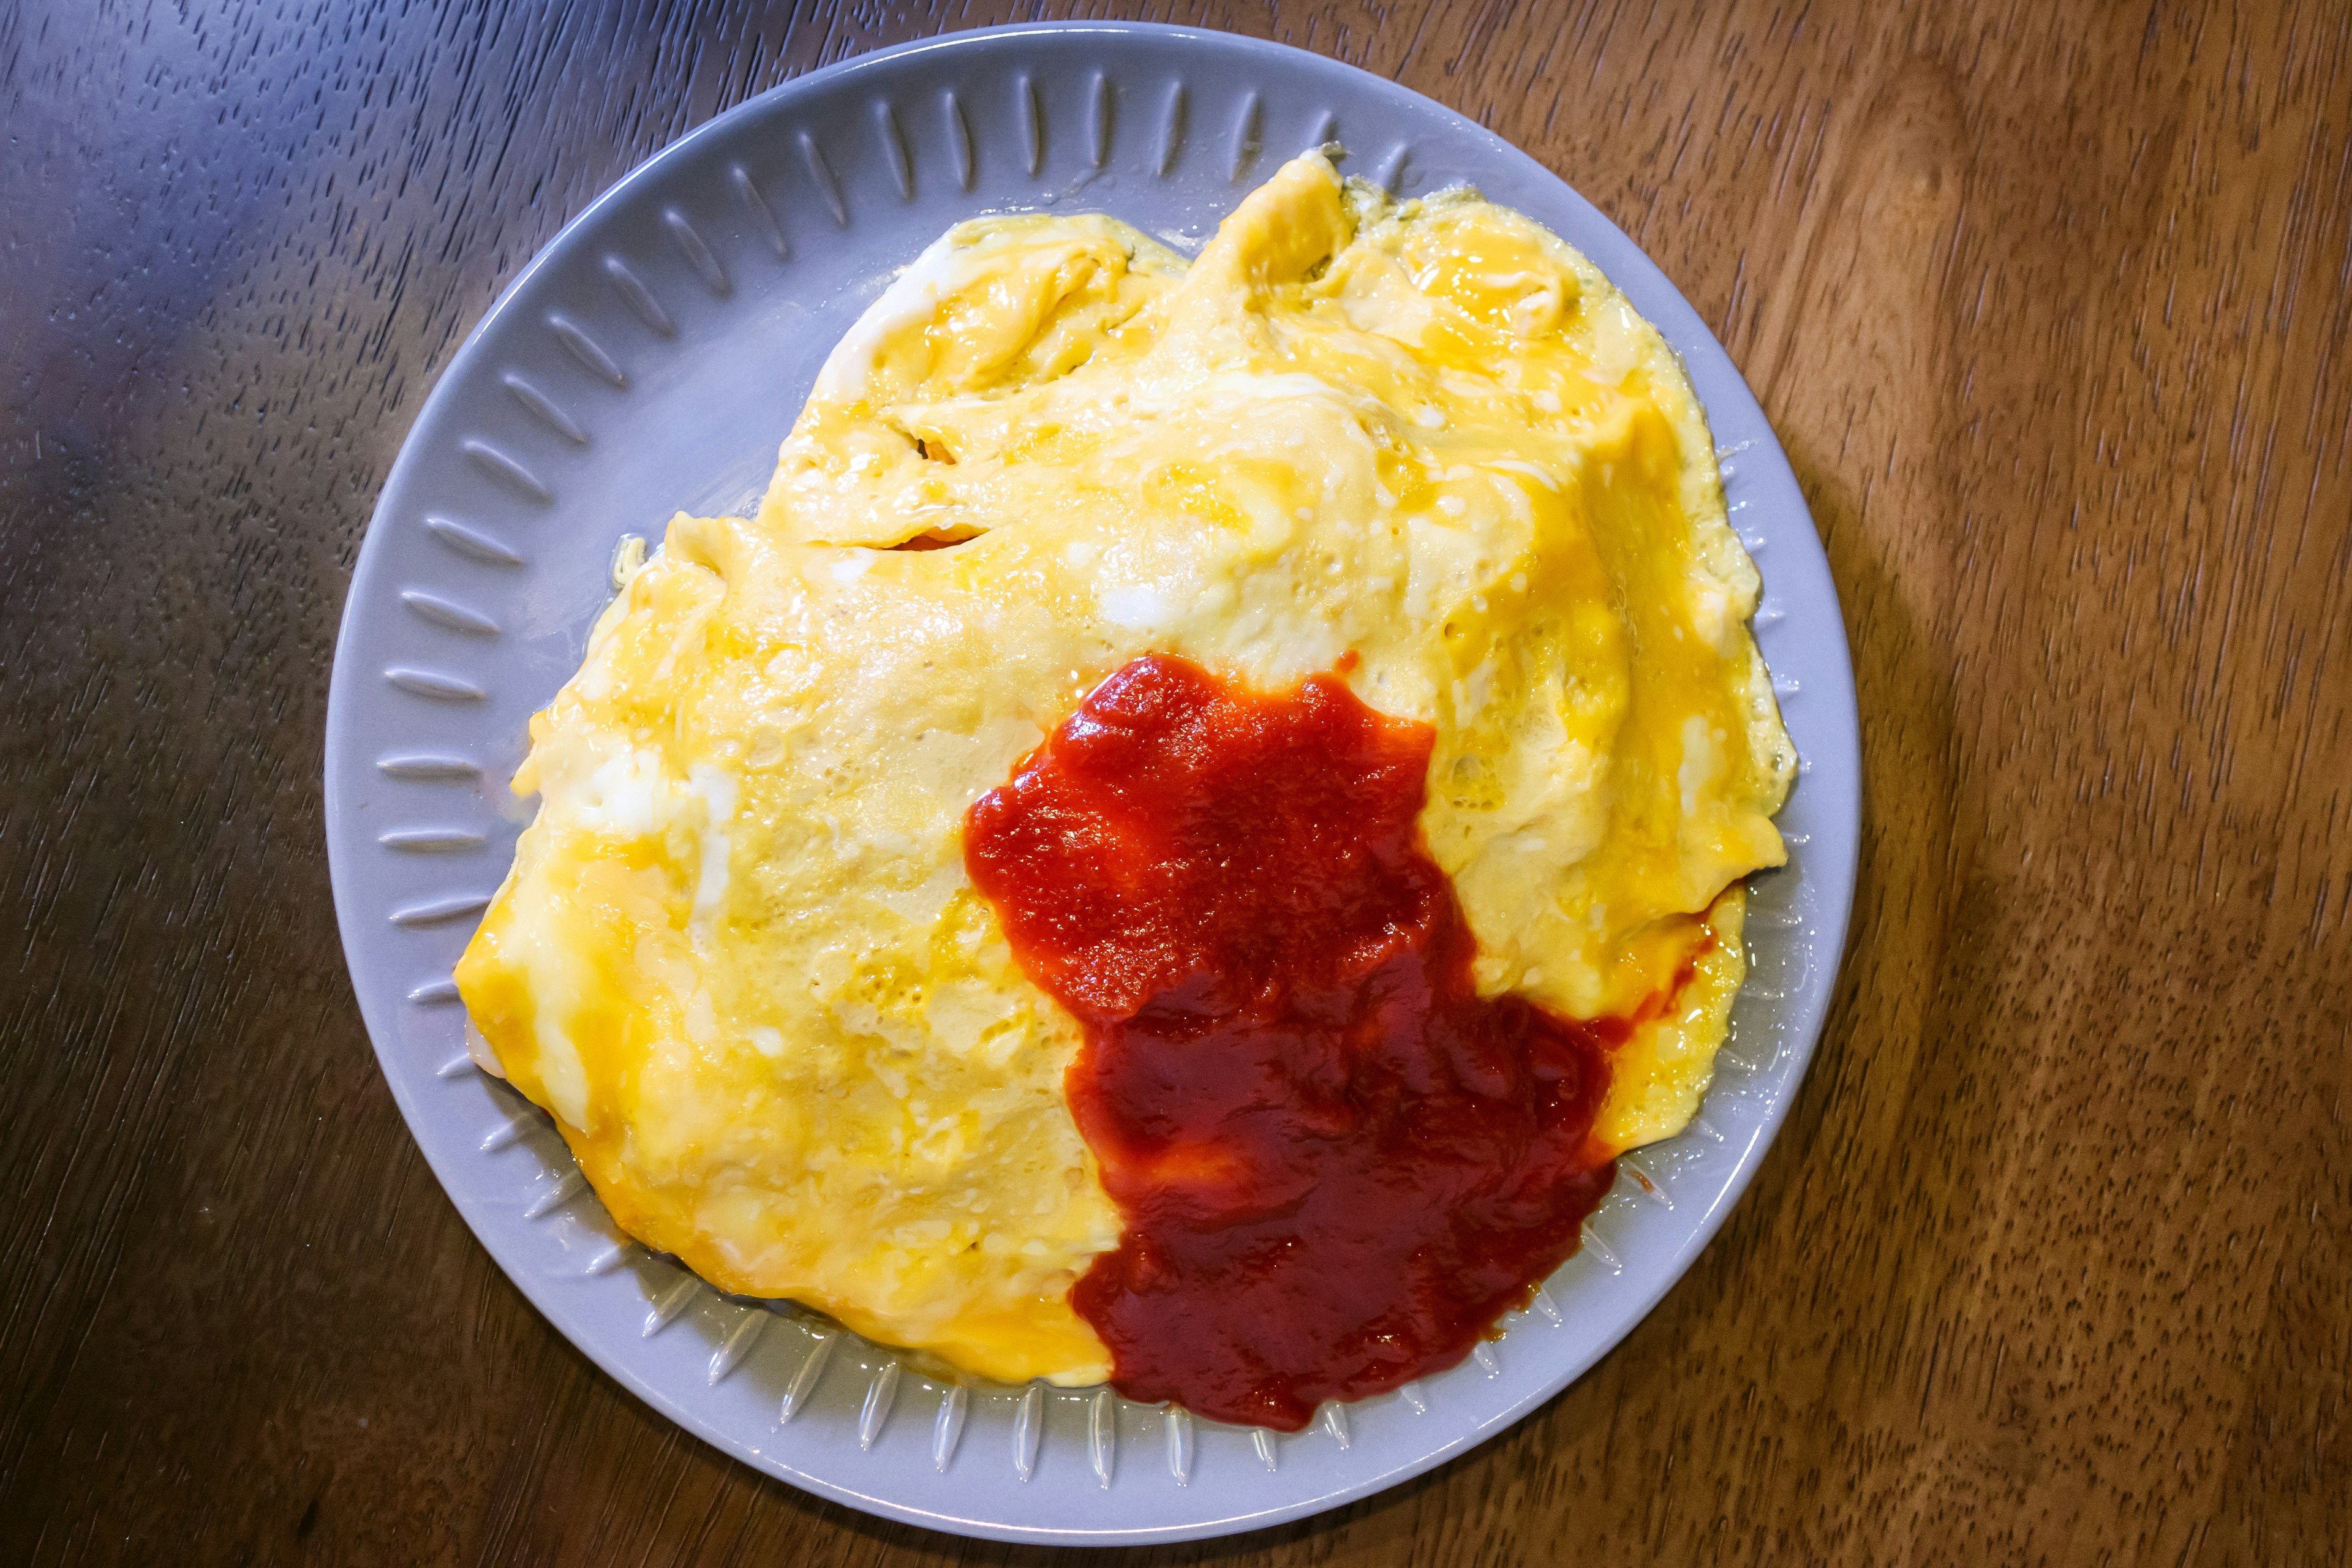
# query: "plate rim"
(1833, 919)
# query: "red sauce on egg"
(1337, 1165)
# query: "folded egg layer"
(738, 956)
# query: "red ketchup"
(1337, 1165)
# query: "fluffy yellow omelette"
(738, 957)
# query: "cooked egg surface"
(738, 957)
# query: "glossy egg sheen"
(739, 957)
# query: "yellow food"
(738, 956)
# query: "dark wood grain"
(2049, 303)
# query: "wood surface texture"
(2050, 304)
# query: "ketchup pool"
(1337, 1165)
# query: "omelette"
(1382, 538)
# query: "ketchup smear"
(1337, 1165)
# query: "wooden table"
(2053, 1262)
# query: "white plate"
(651, 358)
